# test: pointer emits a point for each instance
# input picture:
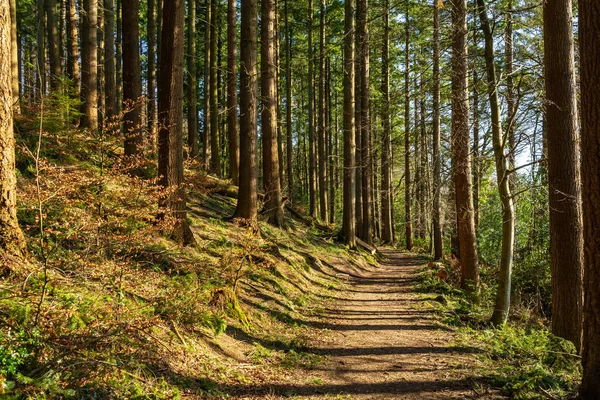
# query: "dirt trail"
(384, 343)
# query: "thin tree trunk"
(247, 199)
(206, 150)
(41, 49)
(73, 51)
(365, 122)
(476, 163)
(349, 216)
(271, 182)
(502, 306)
(461, 150)
(386, 154)
(119, 59)
(510, 91)
(151, 73)
(566, 247)
(288, 103)
(438, 242)
(192, 112)
(89, 72)
(407, 181)
(215, 158)
(312, 163)
(232, 114)
(170, 115)
(14, 58)
(132, 80)
(322, 120)
(109, 59)
(12, 241)
(53, 51)
(589, 48)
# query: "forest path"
(386, 342)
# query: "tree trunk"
(330, 159)
(323, 206)
(53, 52)
(271, 182)
(365, 123)
(566, 247)
(407, 198)
(502, 306)
(312, 160)
(14, 58)
(510, 91)
(589, 48)
(170, 115)
(232, 114)
(132, 80)
(461, 150)
(41, 49)
(12, 241)
(438, 242)
(476, 162)
(288, 103)
(358, 137)
(246, 206)
(151, 72)
(89, 72)
(206, 150)
(215, 159)
(73, 51)
(349, 216)
(119, 60)
(386, 154)
(109, 59)
(192, 112)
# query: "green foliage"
(527, 361)
(16, 349)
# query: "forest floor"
(381, 341)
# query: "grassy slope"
(107, 306)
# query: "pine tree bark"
(365, 123)
(502, 305)
(53, 52)
(312, 157)
(132, 80)
(119, 59)
(170, 115)
(407, 181)
(357, 134)
(206, 149)
(41, 47)
(12, 241)
(589, 48)
(110, 96)
(461, 152)
(247, 198)
(476, 162)
(192, 112)
(73, 51)
(288, 104)
(271, 182)
(151, 72)
(566, 247)
(215, 158)
(232, 113)
(386, 154)
(14, 58)
(89, 72)
(438, 242)
(349, 216)
(323, 205)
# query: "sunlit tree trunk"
(14, 58)
(232, 113)
(566, 247)
(247, 198)
(288, 104)
(132, 80)
(407, 181)
(215, 158)
(170, 116)
(151, 72)
(53, 51)
(322, 120)
(109, 59)
(73, 51)
(192, 112)
(349, 216)
(502, 305)
(461, 152)
(89, 71)
(438, 243)
(312, 157)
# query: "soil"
(383, 341)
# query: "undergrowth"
(522, 358)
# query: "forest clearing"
(337, 199)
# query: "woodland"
(385, 199)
